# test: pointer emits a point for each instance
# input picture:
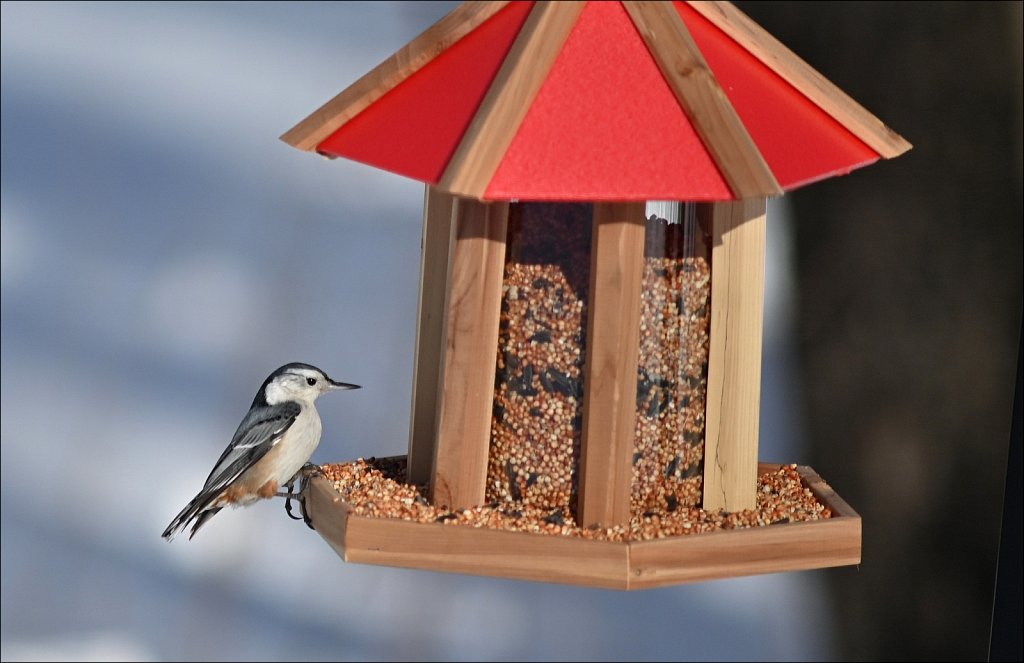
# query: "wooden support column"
(734, 362)
(435, 251)
(613, 341)
(470, 349)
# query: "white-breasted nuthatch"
(273, 442)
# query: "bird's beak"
(342, 385)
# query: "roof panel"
(611, 120)
(414, 128)
(606, 126)
(800, 142)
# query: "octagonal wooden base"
(835, 541)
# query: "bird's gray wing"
(260, 430)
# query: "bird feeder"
(592, 288)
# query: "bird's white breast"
(298, 444)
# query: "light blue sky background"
(162, 252)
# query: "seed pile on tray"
(377, 488)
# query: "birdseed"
(538, 395)
(376, 488)
(537, 416)
(668, 451)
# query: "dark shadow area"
(909, 287)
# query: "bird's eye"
(311, 381)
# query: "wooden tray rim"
(623, 565)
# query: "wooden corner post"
(470, 346)
(435, 254)
(613, 347)
(734, 361)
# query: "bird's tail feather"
(197, 510)
(201, 520)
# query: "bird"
(273, 443)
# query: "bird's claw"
(305, 473)
(288, 497)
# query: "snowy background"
(162, 252)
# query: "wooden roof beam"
(351, 101)
(513, 90)
(788, 65)
(703, 100)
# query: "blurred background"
(163, 251)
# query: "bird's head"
(297, 382)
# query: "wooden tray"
(835, 541)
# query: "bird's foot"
(305, 473)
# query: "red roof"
(599, 101)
